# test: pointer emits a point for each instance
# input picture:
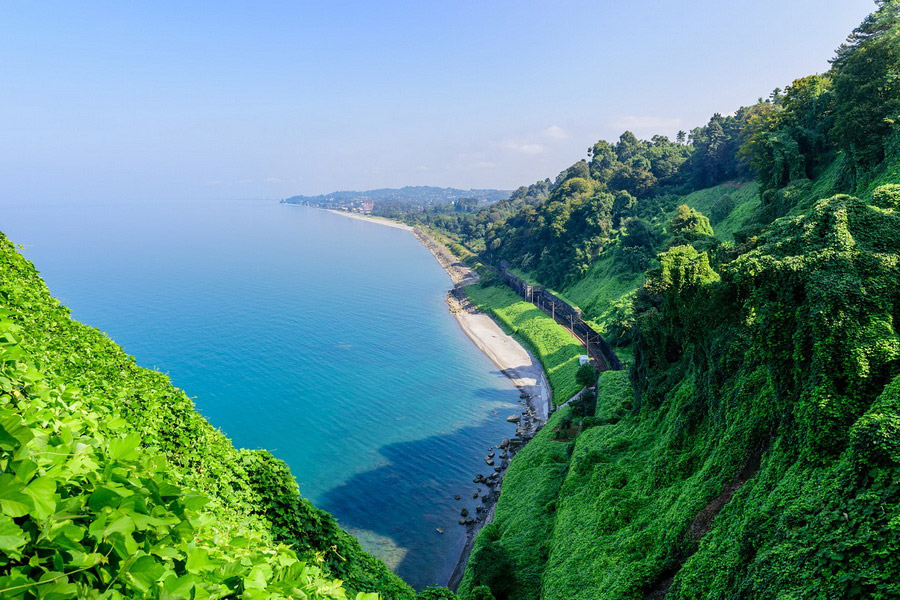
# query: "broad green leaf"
(42, 491)
(12, 501)
(124, 448)
(145, 572)
(11, 535)
(57, 590)
(195, 501)
(102, 497)
(14, 433)
(197, 560)
(120, 523)
(178, 588)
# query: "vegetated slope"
(551, 343)
(105, 463)
(752, 450)
(760, 386)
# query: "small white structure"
(583, 360)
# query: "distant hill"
(422, 195)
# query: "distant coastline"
(370, 219)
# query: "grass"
(553, 345)
(603, 291)
(745, 195)
(517, 541)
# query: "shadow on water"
(412, 495)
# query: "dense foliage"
(85, 514)
(751, 450)
(60, 375)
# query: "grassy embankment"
(794, 433)
(114, 484)
(551, 343)
(606, 292)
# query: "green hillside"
(748, 272)
(114, 486)
(751, 275)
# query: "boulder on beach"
(514, 418)
(464, 512)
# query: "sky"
(225, 100)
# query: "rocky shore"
(514, 361)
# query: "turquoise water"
(323, 339)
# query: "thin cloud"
(555, 132)
(523, 147)
(641, 123)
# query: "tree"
(481, 592)
(638, 233)
(689, 222)
(867, 86)
(434, 592)
(586, 376)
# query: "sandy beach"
(510, 357)
(371, 219)
(513, 360)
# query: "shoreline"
(516, 362)
(513, 360)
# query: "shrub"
(887, 196)
(721, 209)
(586, 375)
(482, 592)
(434, 592)
(585, 405)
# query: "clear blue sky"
(268, 99)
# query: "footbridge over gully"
(600, 352)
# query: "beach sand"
(371, 219)
(513, 360)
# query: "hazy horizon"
(241, 101)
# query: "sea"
(323, 339)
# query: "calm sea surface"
(322, 339)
